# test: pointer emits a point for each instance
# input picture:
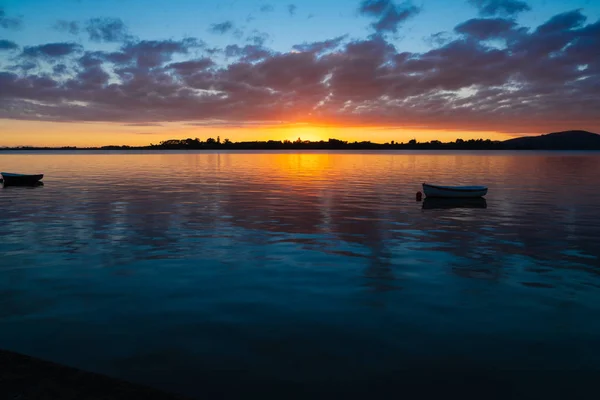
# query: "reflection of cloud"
(347, 205)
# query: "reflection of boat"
(431, 203)
(21, 179)
(454, 191)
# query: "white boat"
(454, 191)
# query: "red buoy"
(419, 196)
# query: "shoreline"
(30, 378)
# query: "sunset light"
(300, 200)
(97, 74)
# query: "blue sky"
(313, 20)
(504, 66)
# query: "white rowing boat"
(454, 191)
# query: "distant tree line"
(567, 140)
(331, 144)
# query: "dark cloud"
(248, 53)
(541, 79)
(13, 23)
(500, 7)
(438, 39)
(71, 27)
(320, 47)
(265, 8)
(484, 29)
(60, 69)
(192, 66)
(258, 38)
(106, 30)
(90, 79)
(52, 50)
(238, 33)
(292, 9)
(561, 22)
(389, 15)
(8, 45)
(150, 53)
(221, 28)
(91, 59)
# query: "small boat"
(444, 203)
(11, 179)
(454, 191)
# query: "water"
(305, 273)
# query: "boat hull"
(21, 180)
(461, 192)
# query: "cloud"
(10, 22)
(150, 53)
(143, 124)
(258, 38)
(106, 30)
(6, 45)
(500, 7)
(484, 29)
(320, 47)
(438, 39)
(388, 14)
(266, 8)
(60, 69)
(51, 50)
(561, 22)
(248, 53)
(221, 28)
(71, 27)
(292, 9)
(192, 66)
(542, 78)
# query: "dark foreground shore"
(27, 378)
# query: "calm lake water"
(306, 273)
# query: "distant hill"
(568, 140)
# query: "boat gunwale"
(13, 175)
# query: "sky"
(98, 72)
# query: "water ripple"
(121, 262)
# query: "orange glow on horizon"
(81, 134)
